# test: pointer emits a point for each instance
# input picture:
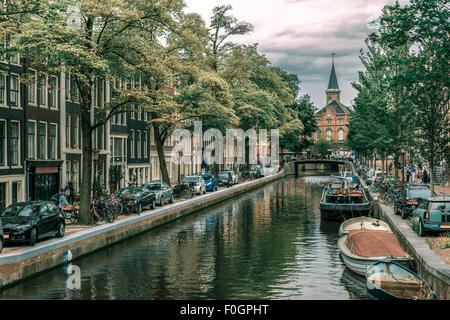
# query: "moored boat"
(362, 223)
(343, 200)
(361, 248)
(388, 280)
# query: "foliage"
(323, 147)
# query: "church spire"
(332, 83)
(333, 91)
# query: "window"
(16, 191)
(2, 90)
(15, 136)
(67, 82)
(341, 134)
(132, 144)
(132, 114)
(31, 140)
(318, 134)
(52, 96)
(75, 177)
(340, 121)
(42, 140)
(73, 89)
(14, 91)
(144, 141)
(68, 171)
(138, 141)
(42, 90)
(2, 143)
(139, 113)
(32, 88)
(75, 131)
(328, 122)
(52, 141)
(328, 134)
(67, 131)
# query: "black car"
(143, 198)
(410, 197)
(30, 221)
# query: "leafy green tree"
(92, 39)
(423, 27)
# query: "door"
(166, 191)
(45, 220)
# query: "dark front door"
(46, 185)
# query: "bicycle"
(70, 213)
(183, 191)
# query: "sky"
(299, 36)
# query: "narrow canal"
(268, 244)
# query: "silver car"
(162, 191)
(197, 182)
(234, 176)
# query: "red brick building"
(333, 119)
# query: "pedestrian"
(425, 175)
(413, 174)
(69, 192)
(419, 175)
(60, 198)
(408, 174)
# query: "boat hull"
(367, 224)
(336, 212)
(408, 290)
(359, 264)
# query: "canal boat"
(361, 248)
(388, 280)
(362, 223)
(344, 200)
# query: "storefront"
(43, 179)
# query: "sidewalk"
(443, 189)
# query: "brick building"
(333, 119)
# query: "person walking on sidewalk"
(413, 174)
(407, 173)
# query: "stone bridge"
(312, 167)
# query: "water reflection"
(268, 244)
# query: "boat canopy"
(374, 243)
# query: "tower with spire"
(333, 92)
(332, 120)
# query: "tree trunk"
(161, 156)
(383, 167)
(432, 179)
(86, 169)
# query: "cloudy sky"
(300, 35)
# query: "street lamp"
(95, 154)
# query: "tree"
(305, 112)
(423, 27)
(323, 147)
(92, 39)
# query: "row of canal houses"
(40, 138)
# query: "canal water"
(267, 244)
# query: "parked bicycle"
(71, 213)
(183, 191)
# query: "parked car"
(409, 198)
(268, 171)
(197, 182)
(1, 236)
(162, 191)
(211, 182)
(225, 178)
(28, 222)
(432, 215)
(255, 170)
(234, 176)
(143, 198)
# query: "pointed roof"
(332, 83)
